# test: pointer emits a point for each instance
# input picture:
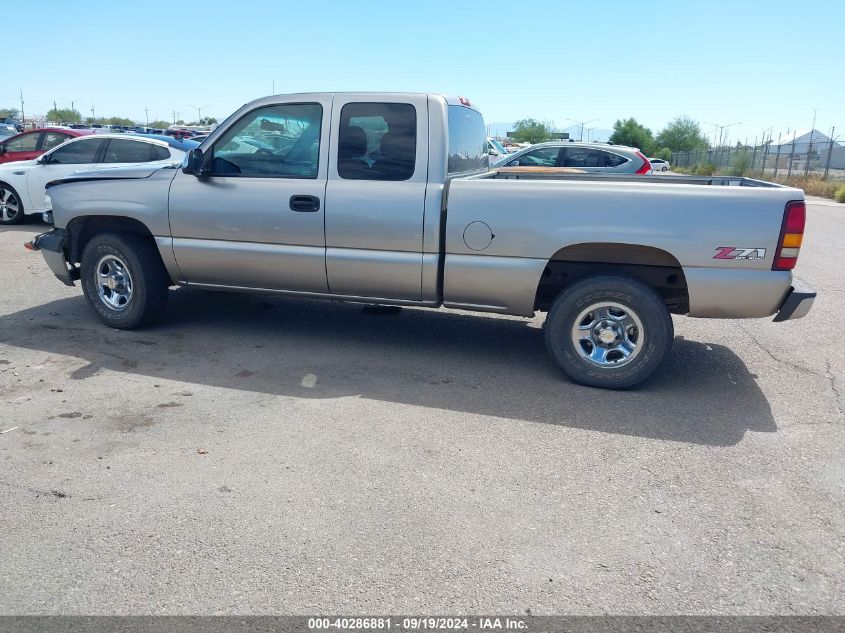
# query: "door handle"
(305, 204)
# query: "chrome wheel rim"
(9, 205)
(608, 335)
(114, 283)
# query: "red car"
(33, 143)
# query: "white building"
(804, 141)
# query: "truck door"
(257, 220)
(375, 196)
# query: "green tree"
(117, 120)
(64, 115)
(629, 132)
(160, 124)
(682, 134)
(9, 113)
(664, 153)
(532, 131)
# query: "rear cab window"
(467, 145)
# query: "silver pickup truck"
(387, 198)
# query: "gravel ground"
(271, 455)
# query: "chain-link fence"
(810, 154)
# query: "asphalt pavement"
(271, 455)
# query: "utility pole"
(199, 111)
(92, 113)
(147, 114)
(23, 116)
(810, 146)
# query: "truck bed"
(565, 173)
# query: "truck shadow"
(430, 358)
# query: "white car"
(658, 164)
(22, 183)
(495, 150)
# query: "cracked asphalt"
(269, 455)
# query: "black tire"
(8, 193)
(654, 338)
(149, 279)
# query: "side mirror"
(2, 148)
(195, 164)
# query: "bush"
(704, 169)
(839, 196)
(741, 164)
(812, 185)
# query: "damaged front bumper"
(52, 245)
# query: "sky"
(761, 64)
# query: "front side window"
(280, 141)
(378, 141)
(125, 151)
(76, 153)
(543, 157)
(25, 143)
(52, 139)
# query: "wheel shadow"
(453, 361)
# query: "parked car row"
(58, 154)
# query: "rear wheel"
(608, 331)
(124, 280)
(11, 207)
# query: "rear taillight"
(646, 166)
(791, 235)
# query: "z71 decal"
(732, 252)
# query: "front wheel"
(608, 331)
(124, 279)
(11, 207)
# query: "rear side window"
(614, 160)
(125, 151)
(159, 152)
(52, 139)
(76, 153)
(467, 141)
(586, 157)
(377, 141)
(25, 143)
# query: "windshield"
(497, 146)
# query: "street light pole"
(582, 124)
(722, 129)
